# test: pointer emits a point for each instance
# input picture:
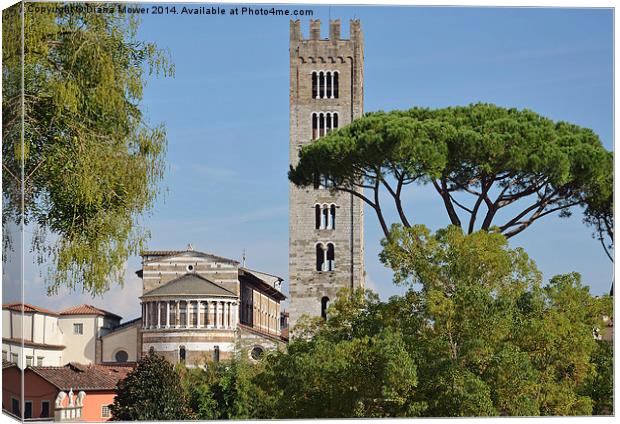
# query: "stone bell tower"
(326, 227)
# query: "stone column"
(198, 310)
(167, 314)
(177, 314)
(144, 317)
(157, 304)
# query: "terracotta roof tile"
(83, 377)
(17, 306)
(87, 310)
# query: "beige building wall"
(122, 339)
(158, 271)
(79, 347)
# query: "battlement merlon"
(355, 31)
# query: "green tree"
(226, 390)
(489, 337)
(90, 161)
(337, 369)
(151, 392)
(599, 385)
(479, 158)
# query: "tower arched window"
(331, 257)
(315, 84)
(320, 257)
(182, 354)
(335, 84)
(332, 216)
(325, 257)
(324, 305)
(325, 84)
(329, 83)
(317, 216)
(315, 126)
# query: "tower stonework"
(326, 227)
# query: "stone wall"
(307, 286)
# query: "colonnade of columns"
(198, 313)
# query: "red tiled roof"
(83, 377)
(17, 306)
(87, 310)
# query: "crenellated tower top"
(355, 32)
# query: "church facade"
(326, 227)
(198, 307)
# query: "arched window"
(216, 353)
(321, 85)
(121, 356)
(315, 126)
(335, 120)
(182, 354)
(331, 257)
(329, 92)
(328, 122)
(332, 216)
(325, 217)
(317, 216)
(324, 304)
(336, 73)
(321, 124)
(320, 257)
(151, 350)
(314, 85)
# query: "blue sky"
(226, 114)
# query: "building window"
(256, 353)
(105, 411)
(39, 361)
(172, 317)
(203, 314)
(14, 357)
(331, 257)
(216, 354)
(323, 123)
(15, 407)
(324, 304)
(325, 217)
(162, 314)
(45, 409)
(78, 328)
(315, 84)
(183, 313)
(29, 361)
(28, 409)
(121, 356)
(5, 355)
(325, 257)
(182, 354)
(151, 350)
(325, 84)
(194, 314)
